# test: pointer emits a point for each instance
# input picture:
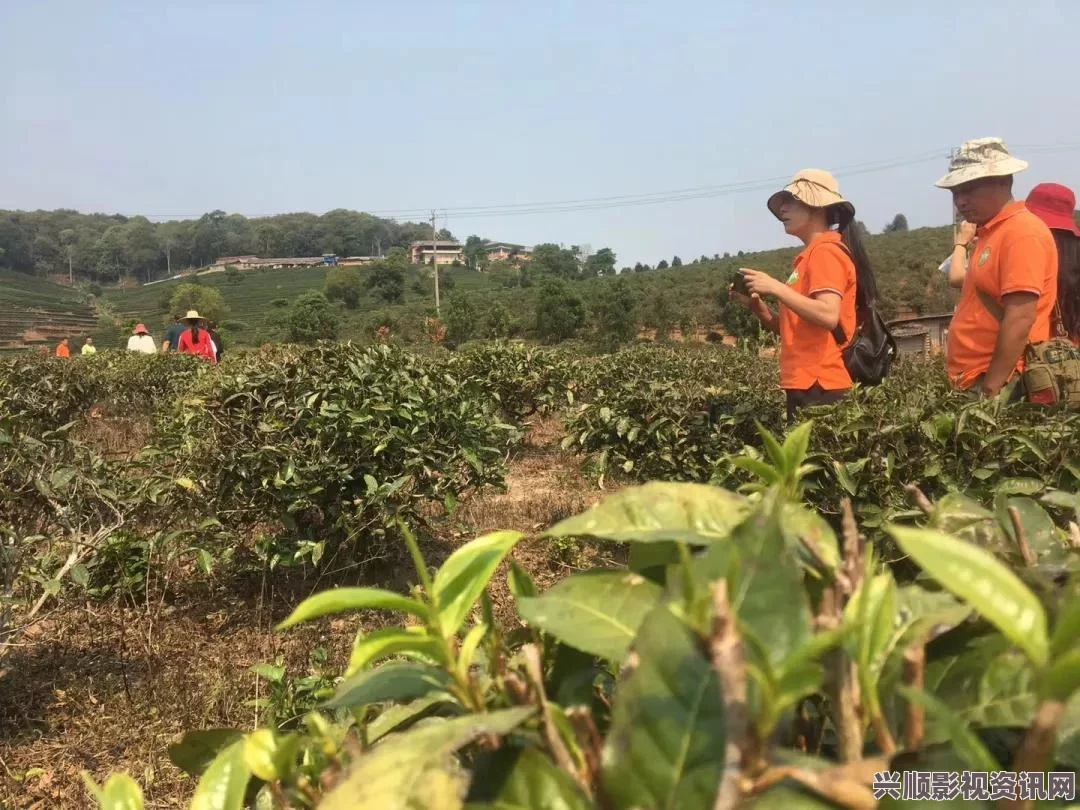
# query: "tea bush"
(748, 657)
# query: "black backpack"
(873, 350)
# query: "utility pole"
(435, 261)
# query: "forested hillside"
(106, 248)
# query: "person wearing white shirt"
(141, 341)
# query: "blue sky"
(266, 107)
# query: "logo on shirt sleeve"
(794, 277)
(984, 257)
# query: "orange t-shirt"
(808, 353)
(1014, 252)
(63, 351)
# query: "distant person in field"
(62, 349)
(172, 335)
(1054, 204)
(831, 276)
(215, 336)
(1009, 286)
(88, 347)
(195, 339)
(141, 340)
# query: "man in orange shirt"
(62, 349)
(1010, 285)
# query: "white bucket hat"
(816, 188)
(982, 157)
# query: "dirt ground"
(103, 687)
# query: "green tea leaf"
(224, 783)
(465, 575)
(980, 580)
(386, 777)
(965, 742)
(597, 612)
(387, 641)
(535, 783)
(399, 715)
(120, 792)
(986, 683)
(1062, 678)
(197, 749)
(658, 511)
(520, 582)
(341, 600)
(665, 747)
(393, 681)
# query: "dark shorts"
(814, 395)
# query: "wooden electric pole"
(435, 261)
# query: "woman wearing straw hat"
(831, 279)
(1054, 204)
(196, 339)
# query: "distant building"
(357, 261)
(507, 251)
(227, 260)
(443, 251)
(923, 335)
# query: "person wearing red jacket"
(196, 339)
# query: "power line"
(658, 197)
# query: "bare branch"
(915, 677)
(920, 499)
(729, 661)
(1021, 537)
(554, 740)
(846, 785)
(1038, 745)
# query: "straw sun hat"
(982, 157)
(192, 315)
(816, 188)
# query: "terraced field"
(37, 313)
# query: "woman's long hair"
(195, 332)
(1068, 291)
(866, 289)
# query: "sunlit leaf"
(973, 575)
(465, 575)
(598, 612)
(342, 600)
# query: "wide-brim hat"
(140, 329)
(982, 157)
(1054, 204)
(816, 188)
(192, 315)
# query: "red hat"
(1054, 205)
(140, 329)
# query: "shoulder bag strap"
(992, 306)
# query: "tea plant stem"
(558, 748)
(729, 661)
(1038, 744)
(920, 499)
(846, 785)
(843, 687)
(418, 559)
(1021, 537)
(915, 677)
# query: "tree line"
(106, 248)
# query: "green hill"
(36, 312)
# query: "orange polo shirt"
(1014, 252)
(808, 353)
